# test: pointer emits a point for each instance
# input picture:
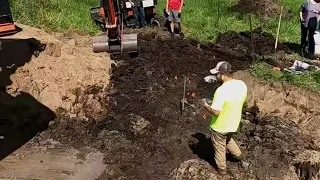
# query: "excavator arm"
(110, 18)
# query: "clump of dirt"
(62, 74)
(263, 8)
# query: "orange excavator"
(7, 26)
(110, 16)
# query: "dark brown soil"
(263, 42)
(144, 135)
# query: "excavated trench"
(144, 135)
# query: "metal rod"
(184, 93)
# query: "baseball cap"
(222, 67)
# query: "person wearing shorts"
(226, 110)
(173, 9)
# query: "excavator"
(110, 16)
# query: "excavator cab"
(110, 17)
(7, 25)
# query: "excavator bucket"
(109, 16)
(128, 44)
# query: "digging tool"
(276, 43)
(184, 96)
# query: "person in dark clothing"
(139, 14)
(309, 14)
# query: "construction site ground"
(67, 113)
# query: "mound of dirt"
(263, 8)
(65, 75)
(263, 42)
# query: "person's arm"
(301, 17)
(217, 104)
(211, 111)
(167, 6)
(302, 9)
(181, 6)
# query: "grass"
(308, 80)
(205, 19)
(202, 19)
(55, 15)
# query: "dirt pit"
(143, 135)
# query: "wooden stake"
(251, 30)
(276, 43)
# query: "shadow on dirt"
(204, 149)
(21, 117)
(295, 48)
(15, 53)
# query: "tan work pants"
(222, 142)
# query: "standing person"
(226, 110)
(309, 16)
(139, 14)
(174, 9)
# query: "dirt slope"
(60, 75)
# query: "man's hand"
(315, 11)
(167, 11)
(179, 11)
(208, 108)
(204, 103)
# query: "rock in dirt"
(194, 169)
(307, 165)
(138, 124)
(113, 140)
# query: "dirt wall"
(63, 75)
(291, 103)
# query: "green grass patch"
(205, 19)
(308, 80)
(55, 15)
(202, 19)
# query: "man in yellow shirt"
(226, 110)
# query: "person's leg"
(311, 42)
(179, 21)
(136, 16)
(219, 145)
(233, 147)
(142, 17)
(304, 33)
(235, 151)
(171, 20)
